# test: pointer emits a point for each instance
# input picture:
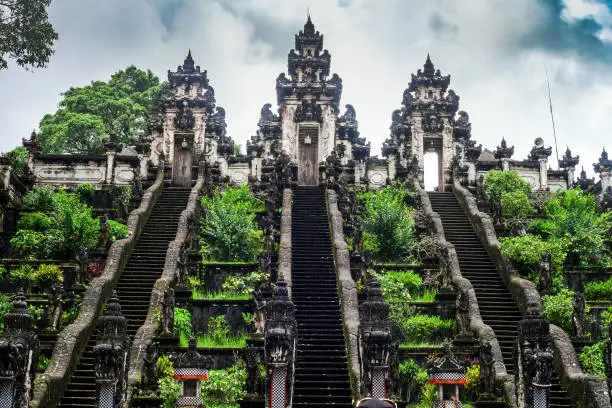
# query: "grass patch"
(197, 294)
(428, 296)
(419, 345)
(209, 341)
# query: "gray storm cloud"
(495, 52)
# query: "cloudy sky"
(495, 51)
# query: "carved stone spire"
(603, 164)
(568, 161)
(503, 151)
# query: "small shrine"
(190, 370)
(448, 374)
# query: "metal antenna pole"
(552, 115)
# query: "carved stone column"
(18, 355)
(280, 336)
(111, 352)
(375, 343)
(534, 358)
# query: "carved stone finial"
(568, 161)
(603, 164)
(503, 151)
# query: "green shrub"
(225, 386)
(23, 277)
(515, 204)
(472, 377)
(429, 394)
(40, 198)
(6, 306)
(165, 367)
(228, 231)
(85, 192)
(573, 221)
(525, 251)
(388, 223)
(244, 284)
(606, 321)
(182, 323)
(598, 291)
(30, 244)
(400, 285)
(558, 308)
(592, 360)
(74, 223)
(35, 221)
(169, 391)
(423, 328)
(117, 230)
(218, 328)
(43, 363)
(497, 182)
(49, 275)
(411, 374)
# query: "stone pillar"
(533, 361)
(375, 343)
(606, 180)
(543, 173)
(111, 352)
(18, 355)
(280, 336)
(505, 163)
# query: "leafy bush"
(497, 182)
(182, 323)
(598, 291)
(30, 244)
(592, 360)
(40, 198)
(18, 159)
(165, 367)
(429, 394)
(218, 328)
(6, 306)
(558, 308)
(244, 284)
(399, 285)
(606, 321)
(572, 220)
(35, 221)
(74, 223)
(421, 328)
(85, 192)
(228, 231)
(168, 388)
(43, 363)
(23, 277)
(515, 204)
(49, 275)
(472, 377)
(225, 386)
(411, 374)
(117, 230)
(388, 223)
(525, 251)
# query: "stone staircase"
(144, 267)
(321, 369)
(497, 306)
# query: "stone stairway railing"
(348, 290)
(49, 386)
(284, 247)
(585, 390)
(163, 286)
(483, 332)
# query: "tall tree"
(90, 115)
(26, 35)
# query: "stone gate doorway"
(183, 160)
(433, 171)
(308, 166)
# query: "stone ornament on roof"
(603, 164)
(538, 151)
(503, 151)
(568, 161)
(429, 76)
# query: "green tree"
(89, 115)
(26, 36)
(497, 182)
(18, 159)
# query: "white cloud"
(374, 45)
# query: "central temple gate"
(308, 166)
(183, 160)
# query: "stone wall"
(481, 331)
(49, 386)
(347, 288)
(162, 286)
(585, 390)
